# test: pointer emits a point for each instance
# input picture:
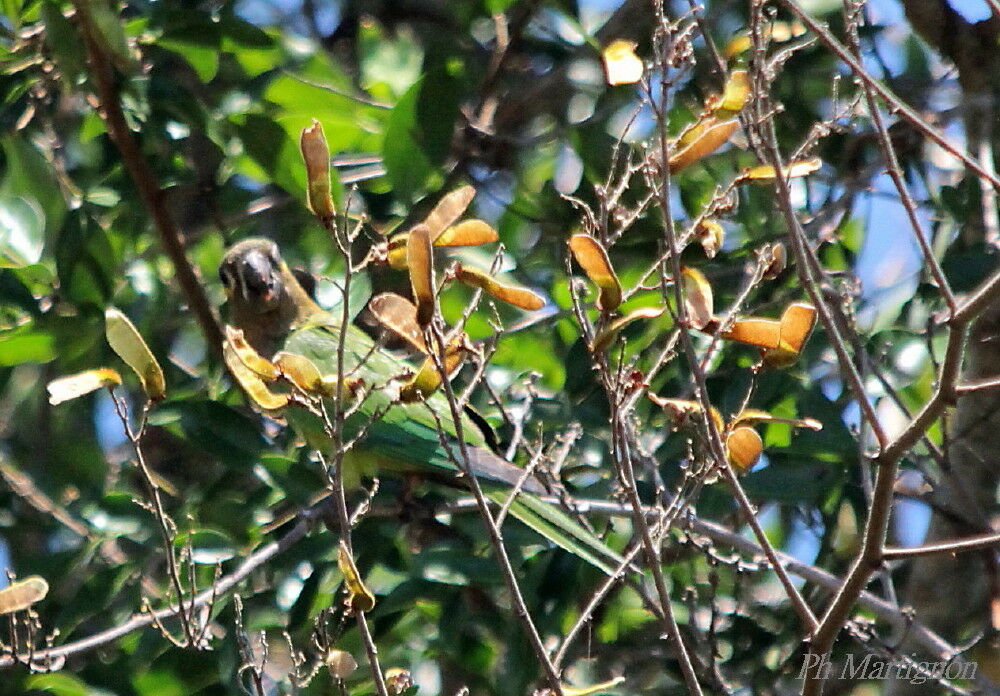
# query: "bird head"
(265, 298)
(251, 273)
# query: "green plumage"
(275, 313)
(405, 436)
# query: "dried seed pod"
(420, 262)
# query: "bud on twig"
(317, 158)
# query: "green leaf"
(208, 546)
(22, 231)
(388, 65)
(63, 40)
(26, 344)
(29, 176)
(85, 262)
(58, 683)
(419, 132)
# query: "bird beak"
(257, 279)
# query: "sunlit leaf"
(606, 337)
(517, 296)
(698, 301)
(359, 597)
(70, 387)
(766, 172)
(21, 594)
(317, 158)
(594, 261)
(743, 448)
(420, 263)
(399, 315)
(467, 233)
(125, 340)
(708, 138)
(621, 65)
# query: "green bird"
(269, 304)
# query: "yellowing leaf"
(734, 96)
(606, 337)
(737, 45)
(698, 301)
(765, 172)
(21, 594)
(708, 138)
(250, 381)
(70, 387)
(396, 251)
(448, 209)
(262, 367)
(621, 65)
(467, 233)
(427, 379)
(359, 597)
(317, 158)
(517, 296)
(797, 322)
(399, 315)
(125, 340)
(302, 373)
(743, 448)
(763, 333)
(594, 261)
(420, 262)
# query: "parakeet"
(267, 302)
